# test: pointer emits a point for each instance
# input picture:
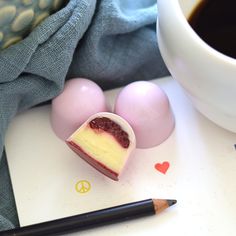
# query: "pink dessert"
(105, 141)
(146, 108)
(80, 99)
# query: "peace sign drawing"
(82, 186)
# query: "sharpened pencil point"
(171, 202)
(162, 204)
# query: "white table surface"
(201, 176)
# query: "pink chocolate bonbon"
(80, 99)
(147, 109)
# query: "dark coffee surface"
(215, 22)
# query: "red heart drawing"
(162, 167)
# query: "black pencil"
(93, 219)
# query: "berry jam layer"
(107, 125)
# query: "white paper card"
(46, 175)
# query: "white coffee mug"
(207, 76)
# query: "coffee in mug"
(206, 75)
(215, 22)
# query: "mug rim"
(197, 38)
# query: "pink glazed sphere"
(80, 99)
(147, 109)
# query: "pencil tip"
(171, 202)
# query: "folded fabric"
(8, 215)
(112, 42)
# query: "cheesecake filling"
(102, 146)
